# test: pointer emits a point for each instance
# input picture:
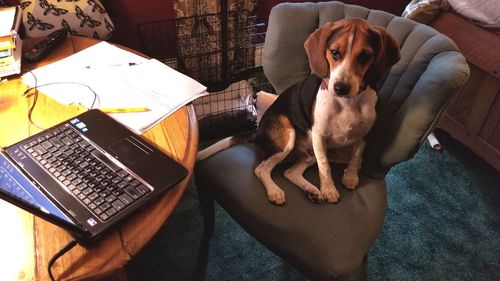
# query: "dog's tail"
(224, 144)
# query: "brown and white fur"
(349, 58)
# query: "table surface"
(27, 243)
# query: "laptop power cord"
(57, 255)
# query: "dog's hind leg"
(263, 171)
(295, 175)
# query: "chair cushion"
(330, 239)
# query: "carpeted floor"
(442, 223)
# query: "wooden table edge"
(174, 196)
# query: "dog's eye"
(363, 58)
(335, 54)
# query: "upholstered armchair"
(331, 241)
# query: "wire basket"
(223, 51)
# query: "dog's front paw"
(276, 196)
(315, 196)
(350, 179)
(330, 194)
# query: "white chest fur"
(341, 120)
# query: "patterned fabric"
(80, 17)
(210, 50)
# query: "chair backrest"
(412, 96)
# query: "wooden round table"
(34, 240)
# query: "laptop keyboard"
(10, 184)
(92, 178)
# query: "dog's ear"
(315, 47)
(386, 55)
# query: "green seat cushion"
(330, 239)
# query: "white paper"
(7, 18)
(119, 79)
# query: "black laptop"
(85, 174)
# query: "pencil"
(125, 110)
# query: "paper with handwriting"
(105, 76)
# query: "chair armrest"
(403, 127)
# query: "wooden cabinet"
(473, 116)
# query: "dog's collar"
(324, 84)
(363, 87)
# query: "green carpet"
(442, 223)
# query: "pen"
(125, 110)
(112, 65)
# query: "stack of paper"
(105, 76)
(10, 42)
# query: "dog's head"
(350, 54)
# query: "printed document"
(105, 76)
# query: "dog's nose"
(341, 89)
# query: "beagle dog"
(333, 108)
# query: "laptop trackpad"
(129, 151)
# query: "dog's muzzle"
(341, 89)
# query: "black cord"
(57, 255)
(62, 82)
(35, 95)
(35, 99)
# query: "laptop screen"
(15, 184)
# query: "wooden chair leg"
(361, 274)
(207, 205)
